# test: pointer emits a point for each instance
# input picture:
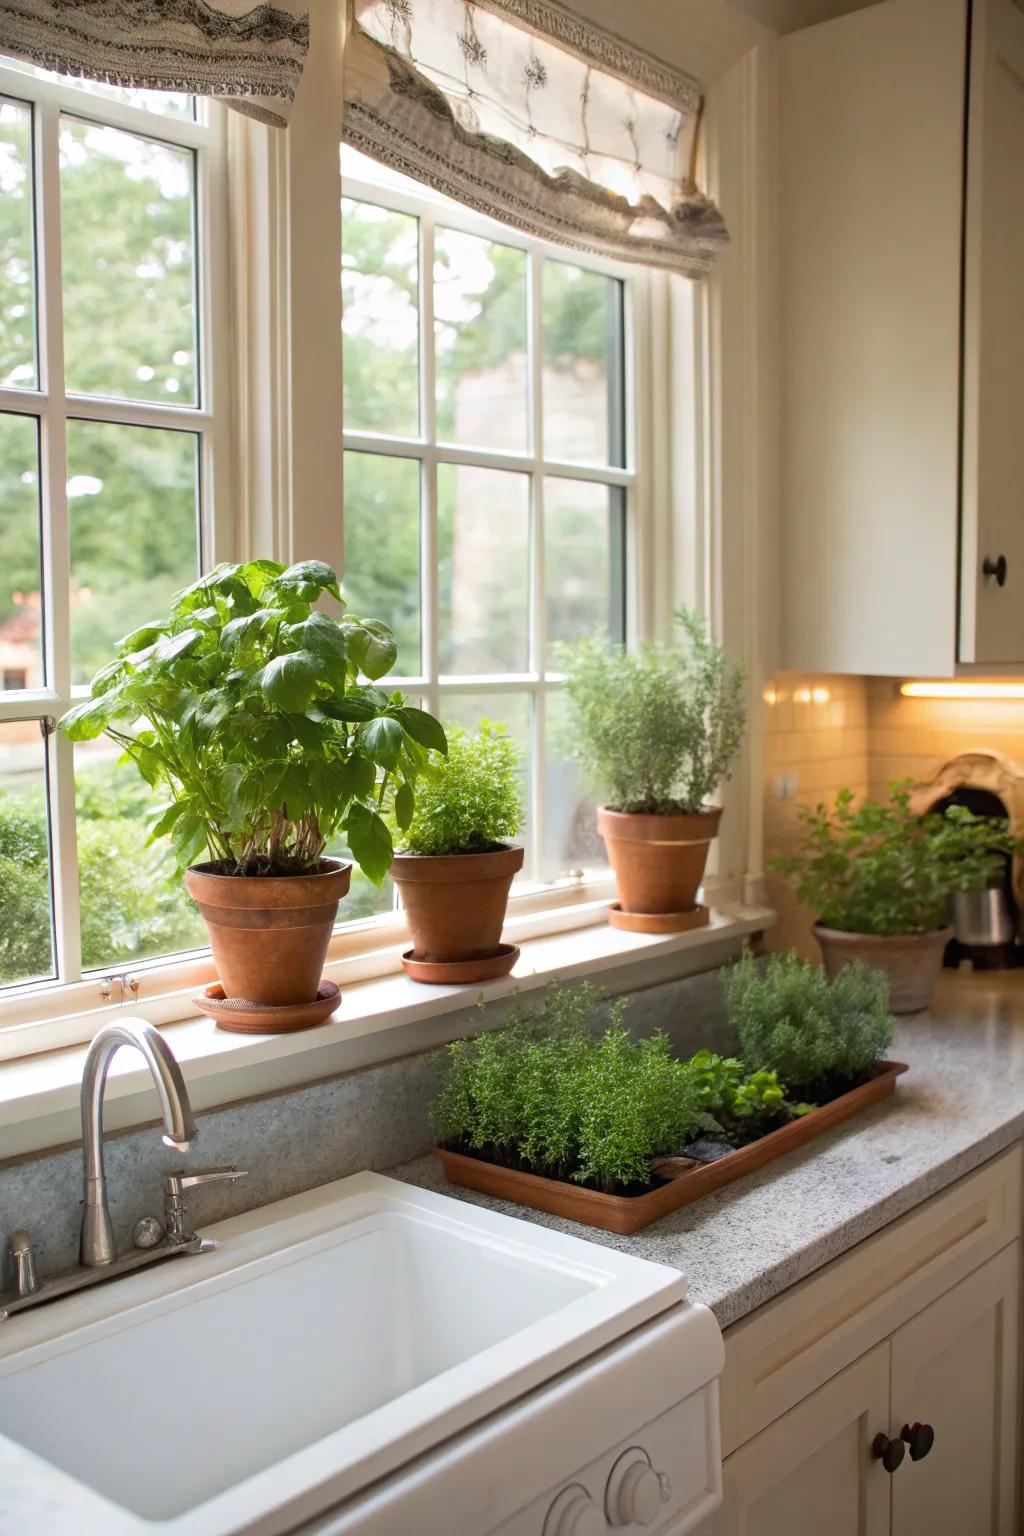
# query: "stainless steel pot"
(982, 917)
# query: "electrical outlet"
(786, 785)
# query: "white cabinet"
(956, 1368)
(917, 1329)
(945, 1383)
(813, 1468)
(903, 338)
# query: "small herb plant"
(248, 708)
(469, 801)
(659, 726)
(735, 1097)
(878, 868)
(545, 1094)
(817, 1035)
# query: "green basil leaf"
(405, 805)
(370, 842)
(319, 634)
(165, 822)
(382, 739)
(290, 681)
(422, 727)
(371, 645)
(309, 578)
(356, 705)
(357, 778)
(88, 720)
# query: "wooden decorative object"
(989, 771)
(625, 1214)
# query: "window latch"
(117, 988)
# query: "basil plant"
(262, 720)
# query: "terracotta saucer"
(462, 972)
(658, 922)
(240, 1017)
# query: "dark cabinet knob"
(996, 568)
(920, 1438)
(889, 1452)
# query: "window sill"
(377, 1021)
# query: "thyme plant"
(469, 801)
(793, 1021)
(659, 726)
(545, 1093)
(879, 868)
(249, 709)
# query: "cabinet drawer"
(789, 1347)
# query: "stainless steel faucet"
(154, 1240)
(97, 1245)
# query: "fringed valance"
(249, 55)
(525, 112)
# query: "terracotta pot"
(658, 860)
(455, 902)
(911, 962)
(269, 933)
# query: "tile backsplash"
(824, 733)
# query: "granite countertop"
(961, 1102)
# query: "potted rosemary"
(259, 717)
(658, 729)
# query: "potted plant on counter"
(250, 710)
(458, 858)
(879, 879)
(658, 729)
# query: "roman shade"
(529, 114)
(250, 55)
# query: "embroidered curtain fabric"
(250, 55)
(524, 111)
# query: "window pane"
(483, 541)
(571, 839)
(21, 653)
(480, 342)
(382, 547)
(129, 265)
(380, 321)
(133, 901)
(583, 384)
(17, 258)
(584, 571)
(133, 509)
(26, 921)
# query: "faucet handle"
(176, 1183)
(175, 1186)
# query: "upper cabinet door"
(992, 544)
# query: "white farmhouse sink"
(328, 1341)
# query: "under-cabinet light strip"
(962, 690)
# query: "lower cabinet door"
(813, 1470)
(955, 1371)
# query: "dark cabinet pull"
(996, 568)
(920, 1438)
(889, 1452)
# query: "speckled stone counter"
(960, 1104)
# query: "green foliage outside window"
(879, 868)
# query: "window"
(487, 480)
(108, 466)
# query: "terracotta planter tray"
(628, 1213)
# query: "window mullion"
(430, 636)
(538, 605)
(56, 538)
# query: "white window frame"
(31, 1003)
(538, 681)
(49, 1015)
